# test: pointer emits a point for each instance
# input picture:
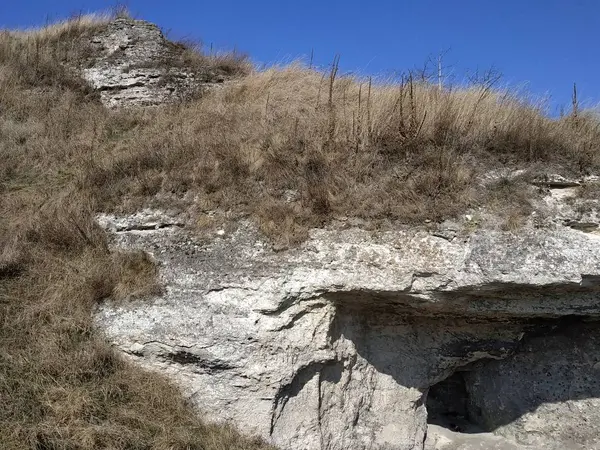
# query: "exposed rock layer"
(334, 345)
(131, 65)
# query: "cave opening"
(448, 405)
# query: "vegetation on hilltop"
(291, 148)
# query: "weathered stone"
(555, 181)
(549, 390)
(129, 66)
(335, 344)
(443, 438)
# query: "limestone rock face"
(550, 388)
(129, 66)
(336, 344)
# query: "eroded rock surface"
(335, 344)
(550, 389)
(131, 65)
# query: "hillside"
(89, 126)
(61, 384)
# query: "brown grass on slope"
(62, 386)
(342, 147)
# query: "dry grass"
(61, 385)
(405, 152)
(510, 200)
(290, 147)
(190, 55)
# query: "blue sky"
(544, 45)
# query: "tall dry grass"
(61, 384)
(290, 148)
(342, 146)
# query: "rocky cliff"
(357, 339)
(440, 289)
(132, 64)
(452, 336)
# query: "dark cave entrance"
(556, 361)
(448, 405)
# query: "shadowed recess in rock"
(553, 374)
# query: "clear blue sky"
(545, 44)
